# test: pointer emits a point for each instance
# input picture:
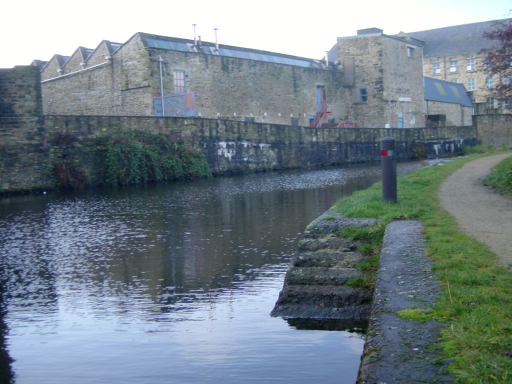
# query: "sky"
(38, 29)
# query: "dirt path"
(481, 213)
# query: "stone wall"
(217, 86)
(22, 141)
(456, 114)
(494, 129)
(30, 140)
(235, 146)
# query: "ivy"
(132, 158)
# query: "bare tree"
(499, 61)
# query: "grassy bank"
(501, 177)
(476, 302)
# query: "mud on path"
(480, 212)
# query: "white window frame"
(470, 63)
(471, 84)
(453, 65)
(489, 82)
(436, 66)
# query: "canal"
(167, 284)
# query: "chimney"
(216, 41)
(195, 37)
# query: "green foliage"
(133, 158)
(361, 282)
(476, 301)
(478, 149)
(419, 150)
(416, 314)
(501, 177)
(67, 176)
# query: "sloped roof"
(184, 45)
(446, 92)
(456, 40)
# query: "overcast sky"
(38, 29)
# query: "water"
(168, 284)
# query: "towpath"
(480, 212)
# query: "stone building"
(447, 103)
(370, 80)
(387, 78)
(456, 54)
(153, 75)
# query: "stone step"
(320, 276)
(327, 259)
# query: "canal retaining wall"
(28, 139)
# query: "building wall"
(224, 87)
(22, 142)
(120, 86)
(403, 91)
(456, 114)
(240, 89)
(387, 75)
(473, 77)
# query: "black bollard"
(388, 162)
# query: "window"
(453, 65)
(454, 81)
(507, 80)
(436, 67)
(363, 95)
(489, 82)
(410, 51)
(179, 81)
(470, 63)
(471, 84)
(490, 103)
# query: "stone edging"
(398, 350)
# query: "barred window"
(179, 81)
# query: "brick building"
(456, 54)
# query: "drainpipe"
(160, 60)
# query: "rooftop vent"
(369, 31)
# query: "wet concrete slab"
(399, 350)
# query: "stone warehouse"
(373, 80)
(457, 53)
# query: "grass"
(501, 177)
(476, 301)
(417, 314)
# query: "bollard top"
(388, 142)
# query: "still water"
(168, 284)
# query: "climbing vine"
(132, 158)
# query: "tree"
(499, 61)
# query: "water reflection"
(156, 284)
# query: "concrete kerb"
(399, 350)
